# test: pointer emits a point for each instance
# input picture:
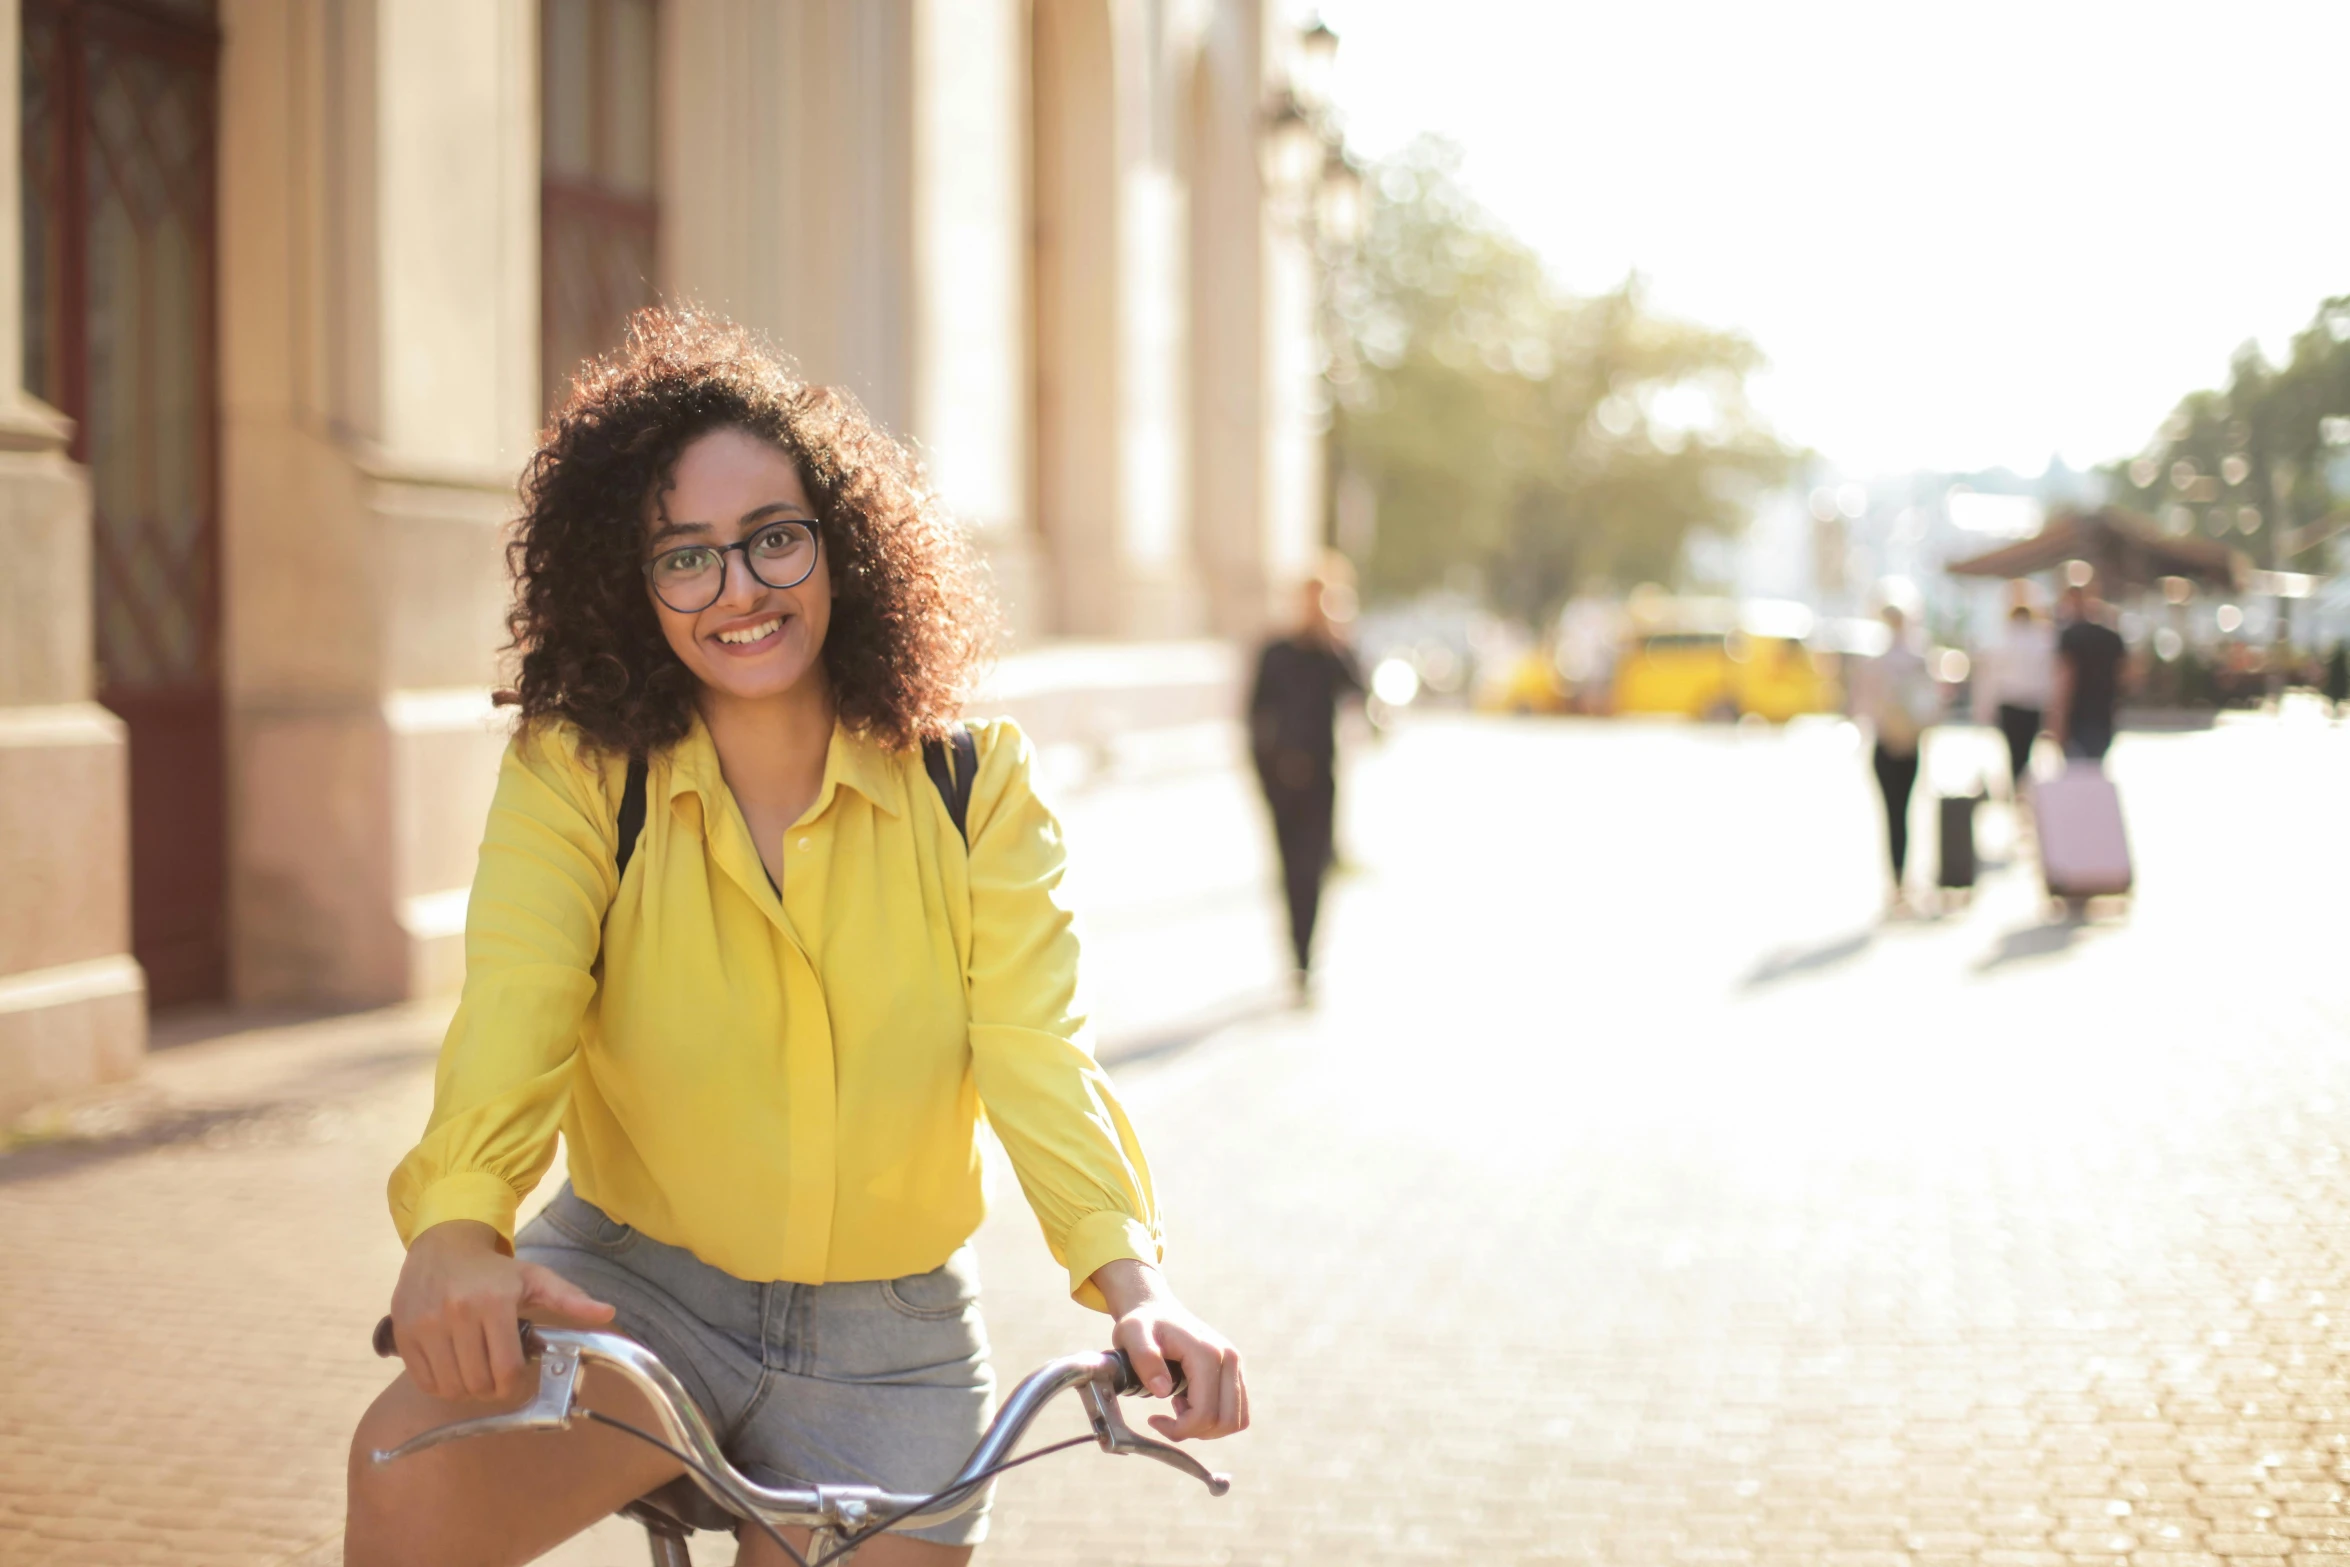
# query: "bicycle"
(840, 1518)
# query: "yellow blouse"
(787, 1086)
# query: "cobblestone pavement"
(1632, 1195)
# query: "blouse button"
(803, 841)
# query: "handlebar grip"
(387, 1345)
(1129, 1384)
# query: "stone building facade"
(299, 278)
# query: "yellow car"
(1709, 658)
(1528, 683)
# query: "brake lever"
(550, 1409)
(1116, 1436)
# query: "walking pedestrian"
(1896, 697)
(761, 931)
(2337, 678)
(1301, 679)
(2089, 658)
(2015, 680)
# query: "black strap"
(632, 812)
(954, 776)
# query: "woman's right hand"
(455, 1310)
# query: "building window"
(599, 225)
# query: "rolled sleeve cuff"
(474, 1195)
(1101, 1238)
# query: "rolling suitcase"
(2083, 850)
(1956, 870)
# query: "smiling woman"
(912, 619)
(750, 635)
(765, 1015)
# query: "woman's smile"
(754, 636)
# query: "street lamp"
(1316, 190)
(1292, 148)
(1317, 62)
(1338, 201)
(1302, 151)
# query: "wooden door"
(118, 124)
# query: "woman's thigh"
(490, 1501)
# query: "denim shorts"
(883, 1383)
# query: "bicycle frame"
(563, 1354)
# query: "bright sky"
(1965, 235)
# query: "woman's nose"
(740, 586)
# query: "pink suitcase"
(2083, 851)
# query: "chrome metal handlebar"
(563, 1353)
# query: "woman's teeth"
(758, 633)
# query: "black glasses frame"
(815, 553)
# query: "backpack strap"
(954, 774)
(632, 812)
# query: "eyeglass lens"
(690, 579)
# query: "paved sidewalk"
(1633, 1195)
(1636, 1197)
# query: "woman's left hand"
(1153, 1327)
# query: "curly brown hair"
(911, 617)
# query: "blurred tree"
(1537, 438)
(2264, 461)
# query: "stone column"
(1296, 431)
(379, 325)
(1223, 115)
(1111, 303)
(1294, 434)
(971, 360)
(1258, 418)
(72, 1000)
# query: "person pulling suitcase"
(2084, 849)
(2089, 665)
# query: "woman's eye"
(781, 540)
(684, 563)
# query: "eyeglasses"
(692, 578)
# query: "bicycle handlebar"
(387, 1347)
(386, 1341)
(1100, 1380)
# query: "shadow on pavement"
(2043, 940)
(1127, 1049)
(34, 1159)
(204, 1022)
(1789, 962)
(134, 1122)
